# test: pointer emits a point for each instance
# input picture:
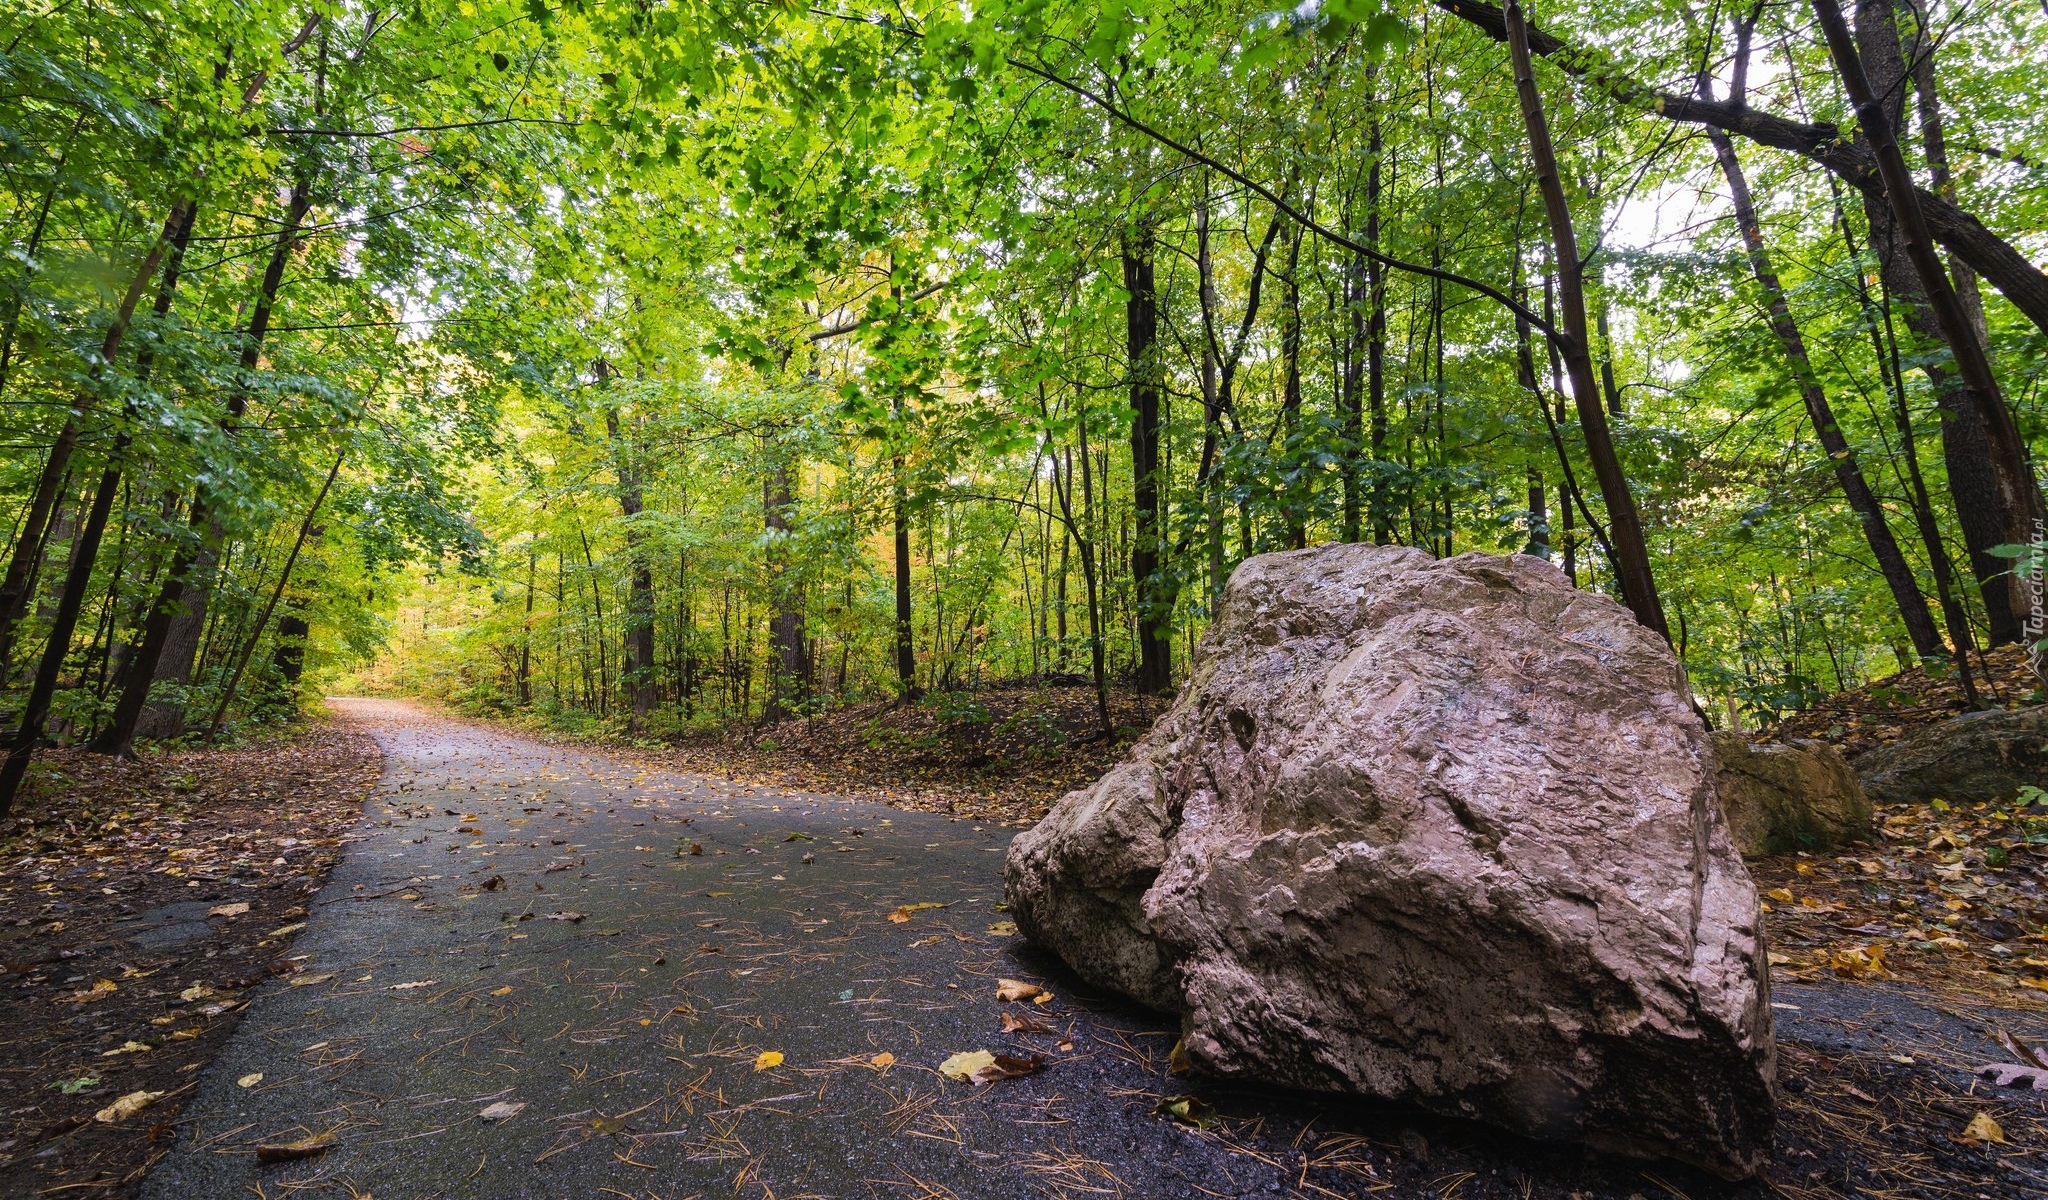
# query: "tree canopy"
(659, 364)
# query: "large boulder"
(1977, 757)
(1799, 795)
(1442, 832)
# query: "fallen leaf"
(1003, 928)
(1013, 1023)
(933, 940)
(250, 1080)
(1983, 1129)
(503, 1110)
(197, 991)
(281, 931)
(407, 987)
(128, 1048)
(962, 1066)
(305, 1147)
(767, 1059)
(494, 883)
(1192, 1109)
(228, 910)
(884, 1059)
(1781, 895)
(2020, 1050)
(1009, 1066)
(1017, 989)
(126, 1107)
(903, 913)
(2013, 1075)
(71, 1087)
(503, 991)
(100, 990)
(608, 1125)
(1177, 1059)
(1859, 962)
(309, 980)
(573, 918)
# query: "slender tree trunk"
(1624, 524)
(284, 577)
(638, 671)
(906, 645)
(1141, 331)
(1292, 502)
(789, 666)
(1891, 561)
(2017, 490)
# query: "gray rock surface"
(1799, 795)
(1435, 831)
(1981, 756)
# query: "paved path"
(613, 950)
(439, 979)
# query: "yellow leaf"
(901, 914)
(767, 1059)
(1177, 1059)
(1983, 1129)
(228, 910)
(962, 1066)
(250, 1080)
(100, 990)
(883, 1059)
(1003, 928)
(1781, 895)
(503, 991)
(126, 1107)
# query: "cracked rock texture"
(1442, 832)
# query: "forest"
(659, 366)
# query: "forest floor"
(140, 903)
(1001, 754)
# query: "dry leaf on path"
(407, 987)
(1013, 1023)
(903, 913)
(573, 918)
(1003, 928)
(1017, 989)
(305, 1147)
(250, 1080)
(884, 1059)
(2013, 1075)
(126, 1107)
(503, 1110)
(100, 990)
(1177, 1061)
(1010, 1066)
(2020, 1051)
(1192, 1109)
(228, 910)
(1983, 1129)
(962, 1066)
(767, 1059)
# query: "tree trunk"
(1891, 562)
(789, 666)
(638, 670)
(2017, 491)
(906, 645)
(1141, 331)
(140, 671)
(1625, 532)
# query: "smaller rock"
(1799, 795)
(1975, 758)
